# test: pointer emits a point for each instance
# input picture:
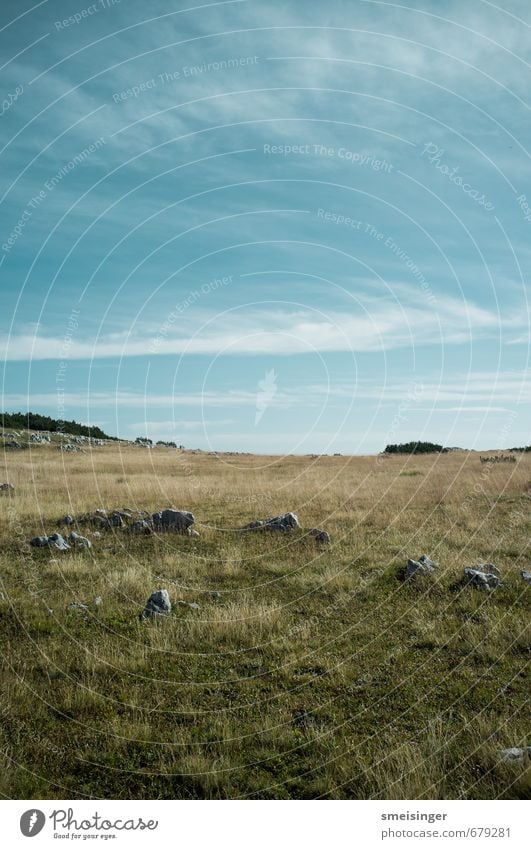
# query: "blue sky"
(278, 227)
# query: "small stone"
(422, 566)
(158, 604)
(192, 533)
(285, 523)
(320, 535)
(141, 527)
(78, 541)
(52, 541)
(192, 605)
(98, 601)
(67, 520)
(482, 580)
(515, 754)
(6, 487)
(526, 576)
(76, 605)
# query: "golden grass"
(307, 671)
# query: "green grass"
(316, 673)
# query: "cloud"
(368, 325)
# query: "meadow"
(308, 671)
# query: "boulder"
(480, 579)
(177, 521)
(158, 604)
(422, 566)
(78, 541)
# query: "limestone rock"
(158, 604)
(480, 579)
(320, 535)
(177, 521)
(53, 541)
(285, 523)
(422, 566)
(78, 541)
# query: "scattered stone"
(6, 487)
(177, 521)
(13, 444)
(285, 523)
(515, 754)
(52, 541)
(191, 532)
(141, 527)
(116, 520)
(98, 601)
(76, 605)
(422, 566)
(158, 604)
(67, 520)
(68, 446)
(482, 580)
(96, 534)
(215, 594)
(320, 535)
(526, 576)
(78, 541)
(39, 438)
(100, 511)
(192, 605)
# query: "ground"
(308, 670)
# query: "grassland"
(307, 672)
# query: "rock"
(158, 604)
(68, 446)
(116, 520)
(526, 576)
(78, 541)
(515, 754)
(100, 511)
(53, 541)
(67, 520)
(96, 534)
(141, 527)
(13, 444)
(319, 535)
(177, 521)
(76, 605)
(98, 601)
(192, 605)
(191, 532)
(422, 566)
(6, 487)
(286, 523)
(482, 580)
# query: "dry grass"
(307, 671)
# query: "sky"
(279, 227)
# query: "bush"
(415, 448)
